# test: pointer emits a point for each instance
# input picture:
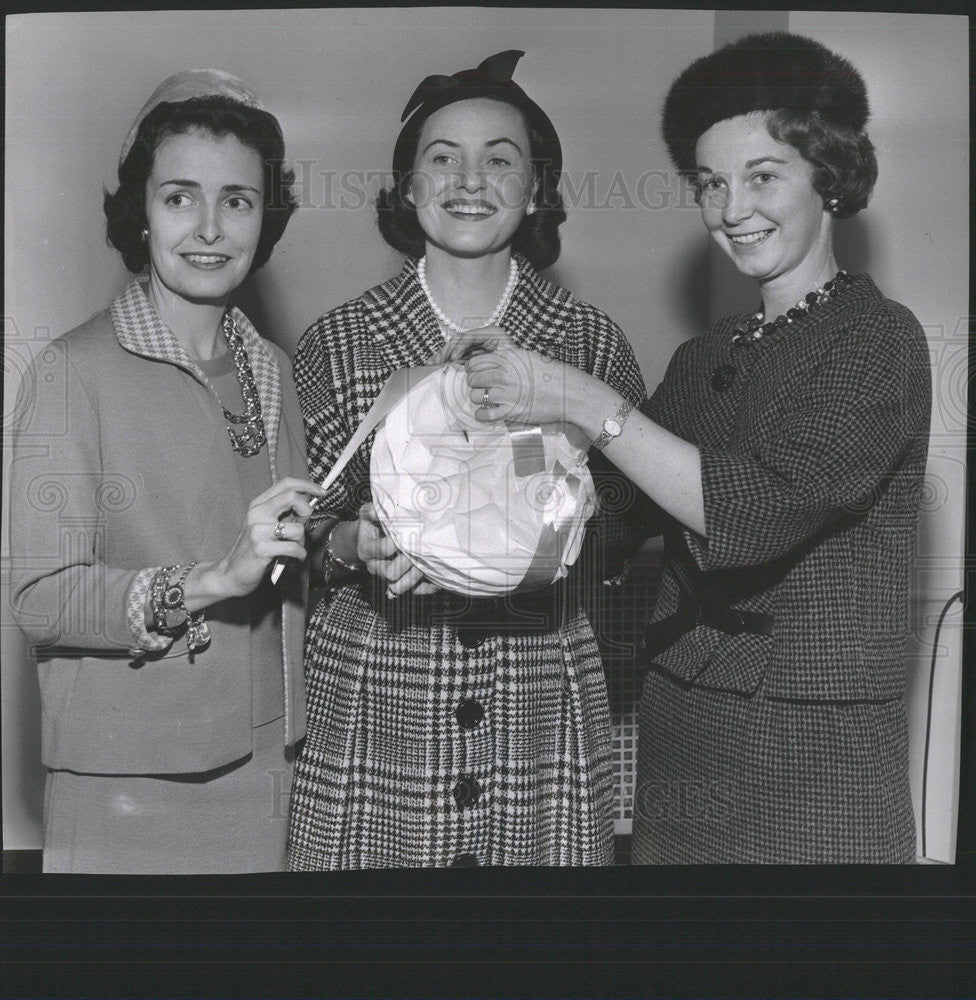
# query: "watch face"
(612, 427)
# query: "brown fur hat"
(763, 72)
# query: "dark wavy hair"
(537, 236)
(844, 164)
(125, 211)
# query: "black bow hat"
(492, 78)
(764, 72)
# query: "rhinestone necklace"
(498, 311)
(753, 328)
(251, 438)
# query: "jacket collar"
(140, 331)
(403, 324)
(860, 288)
(401, 320)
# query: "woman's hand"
(259, 542)
(471, 342)
(525, 387)
(384, 560)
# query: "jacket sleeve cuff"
(135, 609)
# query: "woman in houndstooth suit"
(445, 731)
(784, 453)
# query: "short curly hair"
(537, 236)
(125, 210)
(844, 164)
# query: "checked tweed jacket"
(791, 747)
(394, 696)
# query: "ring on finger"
(486, 402)
(279, 530)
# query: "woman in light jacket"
(159, 469)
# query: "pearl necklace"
(497, 313)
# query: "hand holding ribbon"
(524, 387)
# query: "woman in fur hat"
(784, 453)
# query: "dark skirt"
(233, 819)
(729, 777)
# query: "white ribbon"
(397, 386)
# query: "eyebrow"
(456, 145)
(194, 184)
(749, 164)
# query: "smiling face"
(759, 204)
(473, 178)
(204, 206)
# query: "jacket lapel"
(140, 331)
(539, 313)
(401, 321)
(407, 332)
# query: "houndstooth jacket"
(373, 784)
(795, 742)
(812, 463)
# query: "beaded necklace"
(498, 311)
(753, 328)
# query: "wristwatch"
(613, 425)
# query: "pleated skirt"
(230, 820)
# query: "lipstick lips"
(474, 210)
(206, 261)
(746, 241)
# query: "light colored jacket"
(122, 463)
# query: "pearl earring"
(145, 235)
(833, 206)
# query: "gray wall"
(633, 245)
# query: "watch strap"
(619, 417)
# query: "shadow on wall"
(691, 287)
(256, 301)
(852, 246)
(685, 284)
(22, 764)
